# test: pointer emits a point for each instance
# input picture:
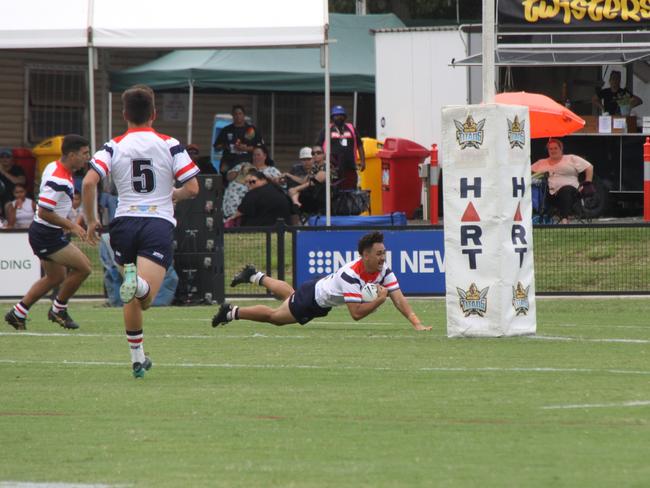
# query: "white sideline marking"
(639, 403)
(315, 366)
(217, 335)
(29, 484)
(580, 339)
(258, 335)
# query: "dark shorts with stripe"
(303, 306)
(46, 240)
(149, 237)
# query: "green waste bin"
(371, 176)
(45, 152)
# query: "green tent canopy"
(352, 63)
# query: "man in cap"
(299, 172)
(346, 145)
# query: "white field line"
(333, 367)
(637, 403)
(257, 335)
(580, 339)
(46, 484)
(217, 335)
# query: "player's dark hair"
(367, 241)
(238, 107)
(73, 143)
(138, 103)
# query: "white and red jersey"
(144, 165)
(56, 192)
(345, 285)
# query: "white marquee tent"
(39, 24)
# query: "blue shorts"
(149, 237)
(46, 240)
(303, 306)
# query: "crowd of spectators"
(287, 195)
(302, 187)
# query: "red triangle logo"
(518, 213)
(470, 214)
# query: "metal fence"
(569, 259)
(592, 259)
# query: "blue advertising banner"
(415, 256)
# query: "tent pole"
(90, 21)
(109, 114)
(190, 112)
(328, 139)
(488, 51)
(273, 125)
(91, 97)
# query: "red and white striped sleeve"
(101, 161)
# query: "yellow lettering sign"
(597, 10)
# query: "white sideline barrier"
(19, 267)
(490, 283)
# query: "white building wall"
(414, 80)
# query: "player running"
(47, 239)
(144, 165)
(317, 297)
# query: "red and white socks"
(59, 306)
(135, 338)
(21, 310)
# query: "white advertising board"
(490, 282)
(19, 267)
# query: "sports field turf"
(335, 403)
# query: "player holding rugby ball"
(316, 298)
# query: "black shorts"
(303, 306)
(46, 240)
(149, 237)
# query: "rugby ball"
(368, 292)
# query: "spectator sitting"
(265, 164)
(236, 190)
(299, 172)
(310, 195)
(563, 183)
(20, 211)
(204, 164)
(10, 174)
(264, 203)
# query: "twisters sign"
(576, 14)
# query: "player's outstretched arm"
(402, 304)
(89, 199)
(361, 310)
(190, 189)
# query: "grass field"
(335, 403)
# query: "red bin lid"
(397, 148)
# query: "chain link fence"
(569, 259)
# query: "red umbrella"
(547, 117)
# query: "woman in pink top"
(563, 184)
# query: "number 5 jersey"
(144, 166)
